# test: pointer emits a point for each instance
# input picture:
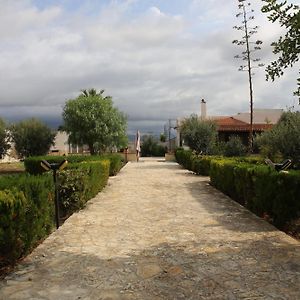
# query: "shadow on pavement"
(194, 270)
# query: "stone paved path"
(159, 232)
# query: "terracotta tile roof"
(232, 124)
(229, 121)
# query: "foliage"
(199, 135)
(92, 119)
(283, 139)
(4, 145)
(81, 182)
(26, 209)
(150, 147)
(31, 137)
(199, 164)
(260, 189)
(162, 138)
(33, 164)
(250, 182)
(116, 163)
(27, 204)
(234, 147)
(287, 47)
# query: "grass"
(11, 168)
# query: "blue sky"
(157, 59)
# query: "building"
(239, 124)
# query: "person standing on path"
(138, 145)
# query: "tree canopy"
(199, 135)
(91, 119)
(32, 137)
(287, 47)
(283, 139)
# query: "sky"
(156, 58)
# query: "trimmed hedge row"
(199, 164)
(33, 164)
(27, 210)
(256, 186)
(81, 182)
(27, 204)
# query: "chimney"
(203, 109)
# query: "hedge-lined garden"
(250, 182)
(27, 200)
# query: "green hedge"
(81, 182)
(33, 164)
(199, 164)
(27, 204)
(26, 210)
(251, 183)
(260, 189)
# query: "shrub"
(32, 137)
(150, 147)
(234, 147)
(250, 182)
(283, 139)
(199, 135)
(260, 189)
(116, 163)
(81, 182)
(184, 158)
(33, 164)
(26, 209)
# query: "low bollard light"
(55, 167)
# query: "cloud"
(156, 65)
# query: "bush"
(283, 139)
(199, 164)
(199, 135)
(27, 204)
(81, 182)
(250, 182)
(33, 164)
(150, 147)
(184, 158)
(31, 137)
(234, 147)
(116, 163)
(26, 209)
(259, 188)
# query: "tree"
(288, 16)
(283, 138)
(247, 55)
(92, 119)
(234, 147)
(4, 144)
(199, 135)
(32, 137)
(150, 147)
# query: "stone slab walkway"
(159, 232)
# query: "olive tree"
(199, 135)
(31, 137)
(283, 138)
(92, 120)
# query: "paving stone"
(158, 231)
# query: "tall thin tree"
(250, 46)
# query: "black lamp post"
(55, 167)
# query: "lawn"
(11, 168)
